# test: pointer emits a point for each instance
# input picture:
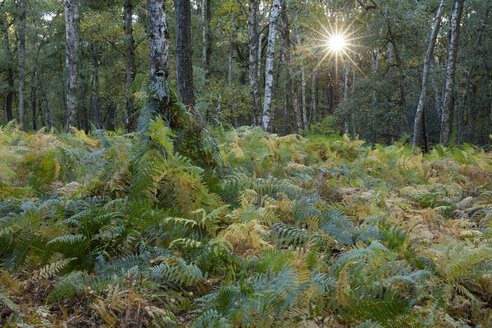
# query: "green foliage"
(272, 231)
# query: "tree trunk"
(375, 64)
(72, 59)
(95, 88)
(314, 96)
(130, 69)
(448, 103)
(253, 59)
(270, 60)
(345, 97)
(204, 34)
(159, 42)
(425, 75)
(463, 101)
(22, 61)
(33, 101)
(352, 116)
(9, 68)
(184, 64)
(291, 89)
(303, 87)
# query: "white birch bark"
(72, 59)
(270, 60)
(425, 75)
(448, 102)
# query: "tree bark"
(159, 42)
(425, 75)
(184, 64)
(314, 96)
(375, 64)
(303, 87)
(72, 59)
(463, 101)
(95, 88)
(345, 97)
(448, 102)
(253, 59)
(270, 60)
(22, 61)
(33, 101)
(204, 34)
(9, 67)
(291, 89)
(130, 69)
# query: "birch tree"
(448, 102)
(425, 75)
(270, 60)
(253, 59)
(72, 44)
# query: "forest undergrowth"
(248, 230)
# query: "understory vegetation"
(248, 230)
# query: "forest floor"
(249, 230)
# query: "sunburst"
(336, 42)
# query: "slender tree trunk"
(33, 101)
(22, 61)
(260, 48)
(345, 97)
(9, 68)
(204, 34)
(425, 75)
(130, 69)
(72, 59)
(270, 60)
(253, 59)
(291, 81)
(303, 87)
(375, 64)
(352, 116)
(184, 64)
(463, 101)
(448, 103)
(95, 88)
(229, 66)
(314, 96)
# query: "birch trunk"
(72, 59)
(159, 42)
(204, 35)
(425, 75)
(130, 69)
(270, 60)
(253, 59)
(184, 64)
(448, 102)
(303, 87)
(22, 61)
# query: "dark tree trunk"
(22, 61)
(9, 68)
(131, 69)
(253, 59)
(33, 102)
(95, 88)
(184, 64)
